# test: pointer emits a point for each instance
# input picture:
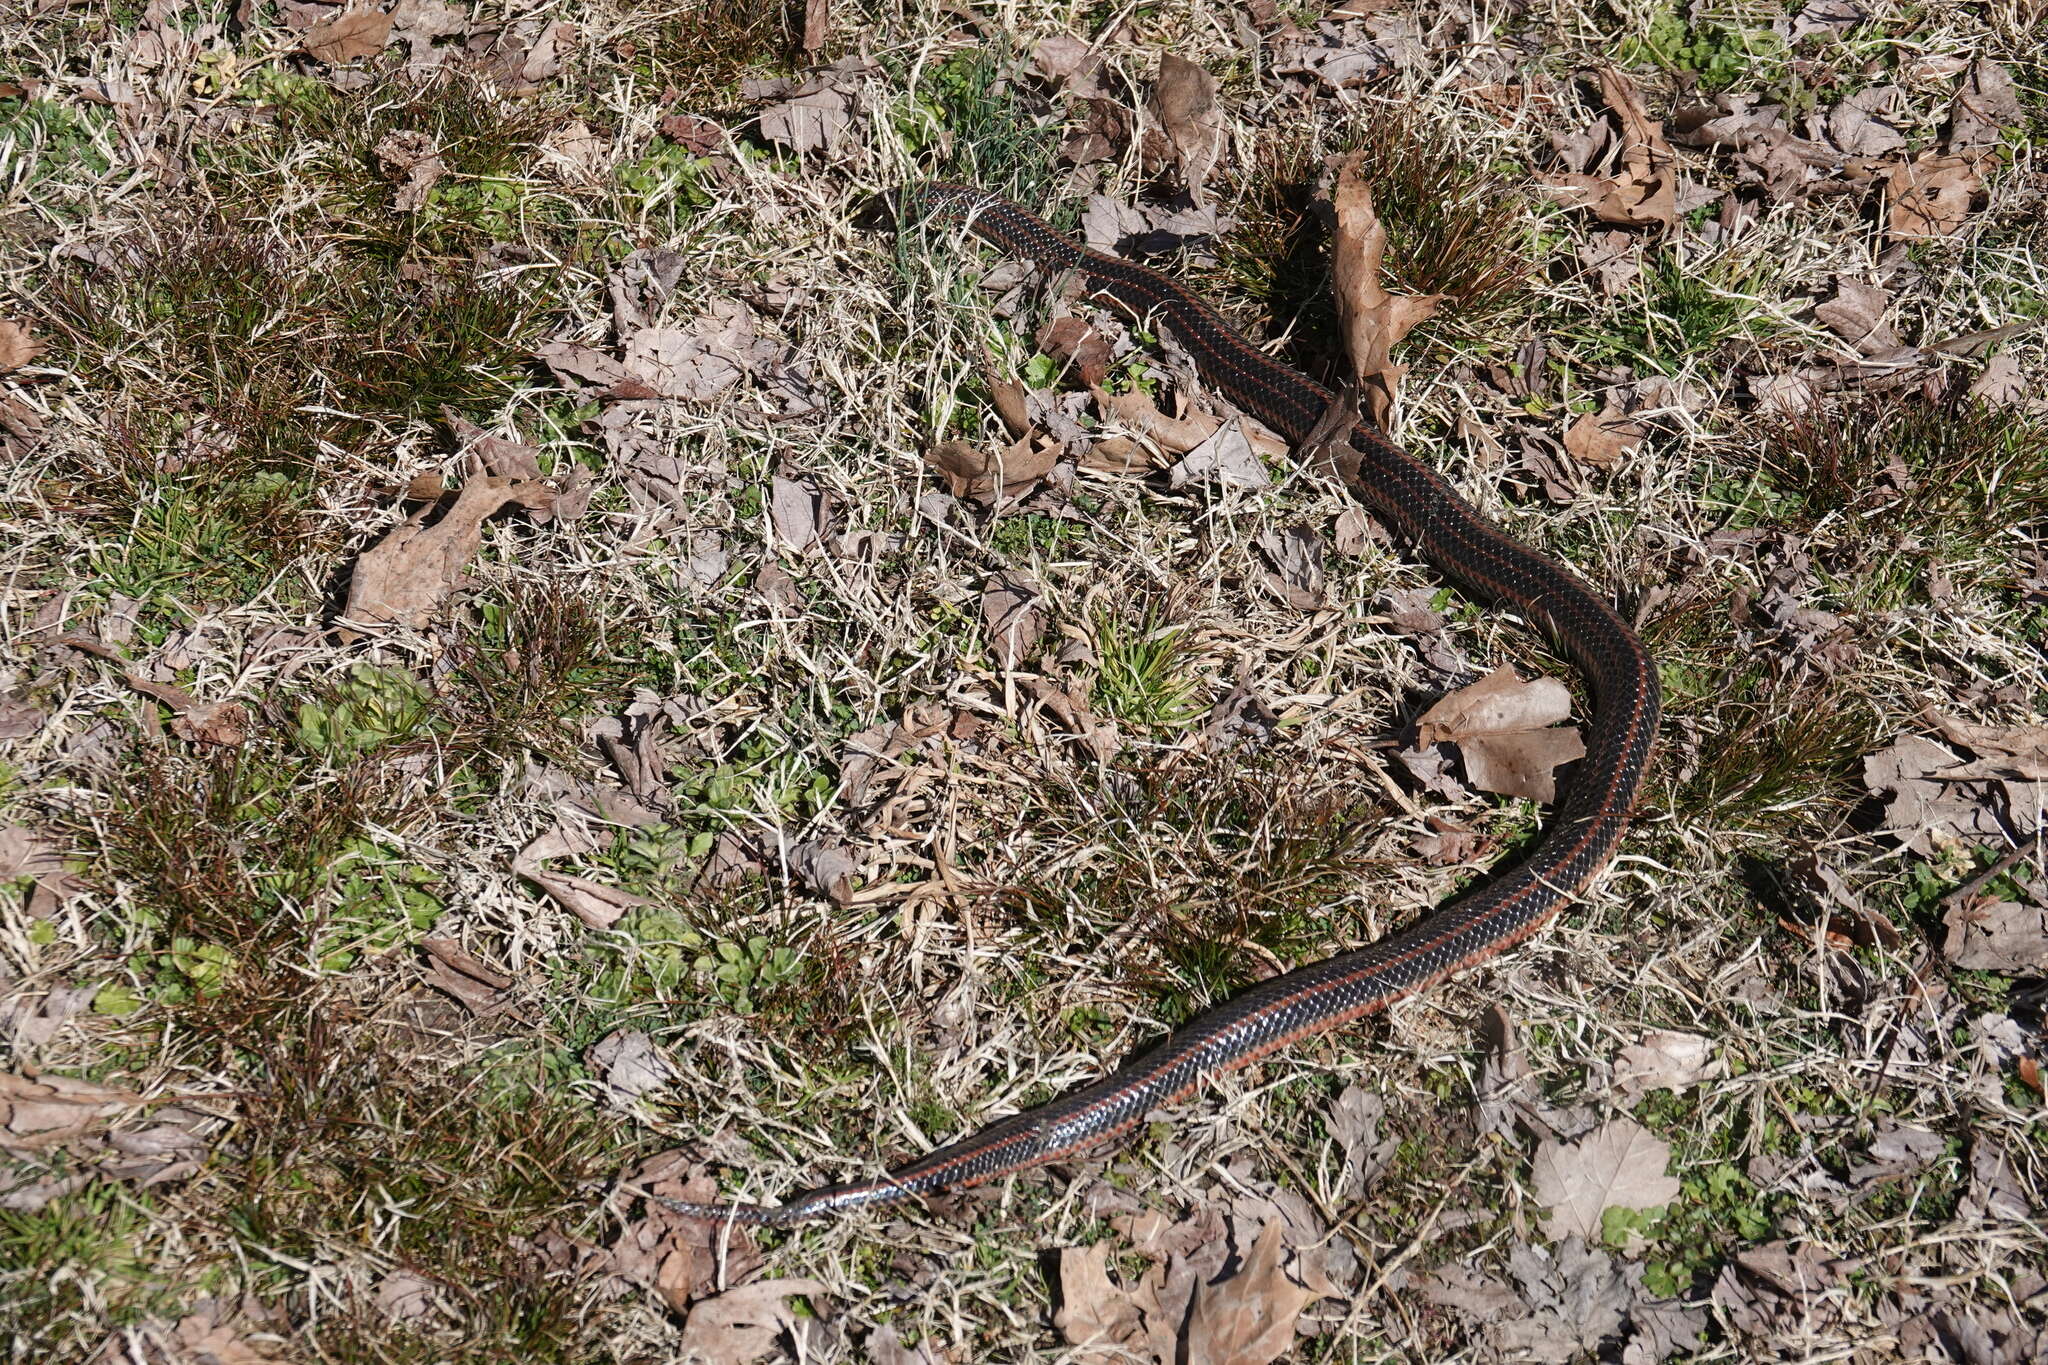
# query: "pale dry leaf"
(1984, 108)
(815, 119)
(406, 576)
(349, 36)
(742, 1325)
(210, 1343)
(630, 1066)
(405, 1297)
(1663, 1059)
(1620, 1164)
(800, 514)
(224, 724)
(1075, 61)
(455, 972)
(574, 361)
(19, 720)
(1248, 1318)
(1375, 320)
(2000, 936)
(2004, 750)
(18, 346)
(1071, 341)
(1226, 456)
(1138, 411)
(1602, 438)
(979, 475)
(596, 904)
(1863, 123)
(409, 156)
(45, 1110)
(1507, 731)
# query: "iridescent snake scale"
(1448, 533)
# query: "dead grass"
(696, 686)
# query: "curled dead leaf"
(1375, 320)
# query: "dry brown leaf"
(1184, 103)
(45, 1110)
(225, 724)
(1374, 319)
(1138, 411)
(1856, 315)
(1010, 607)
(405, 576)
(1620, 1164)
(410, 157)
(973, 473)
(349, 36)
(1931, 195)
(1248, 1319)
(742, 1325)
(596, 904)
(801, 515)
(2000, 936)
(1643, 190)
(1507, 732)
(18, 347)
(1601, 438)
(574, 361)
(454, 971)
(815, 119)
(1106, 1324)
(1984, 108)
(222, 1343)
(1069, 339)
(2004, 750)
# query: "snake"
(1446, 531)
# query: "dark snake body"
(1456, 539)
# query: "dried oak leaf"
(349, 36)
(411, 158)
(454, 971)
(1507, 731)
(405, 576)
(18, 347)
(1620, 1164)
(1374, 319)
(1248, 1318)
(1932, 195)
(1643, 188)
